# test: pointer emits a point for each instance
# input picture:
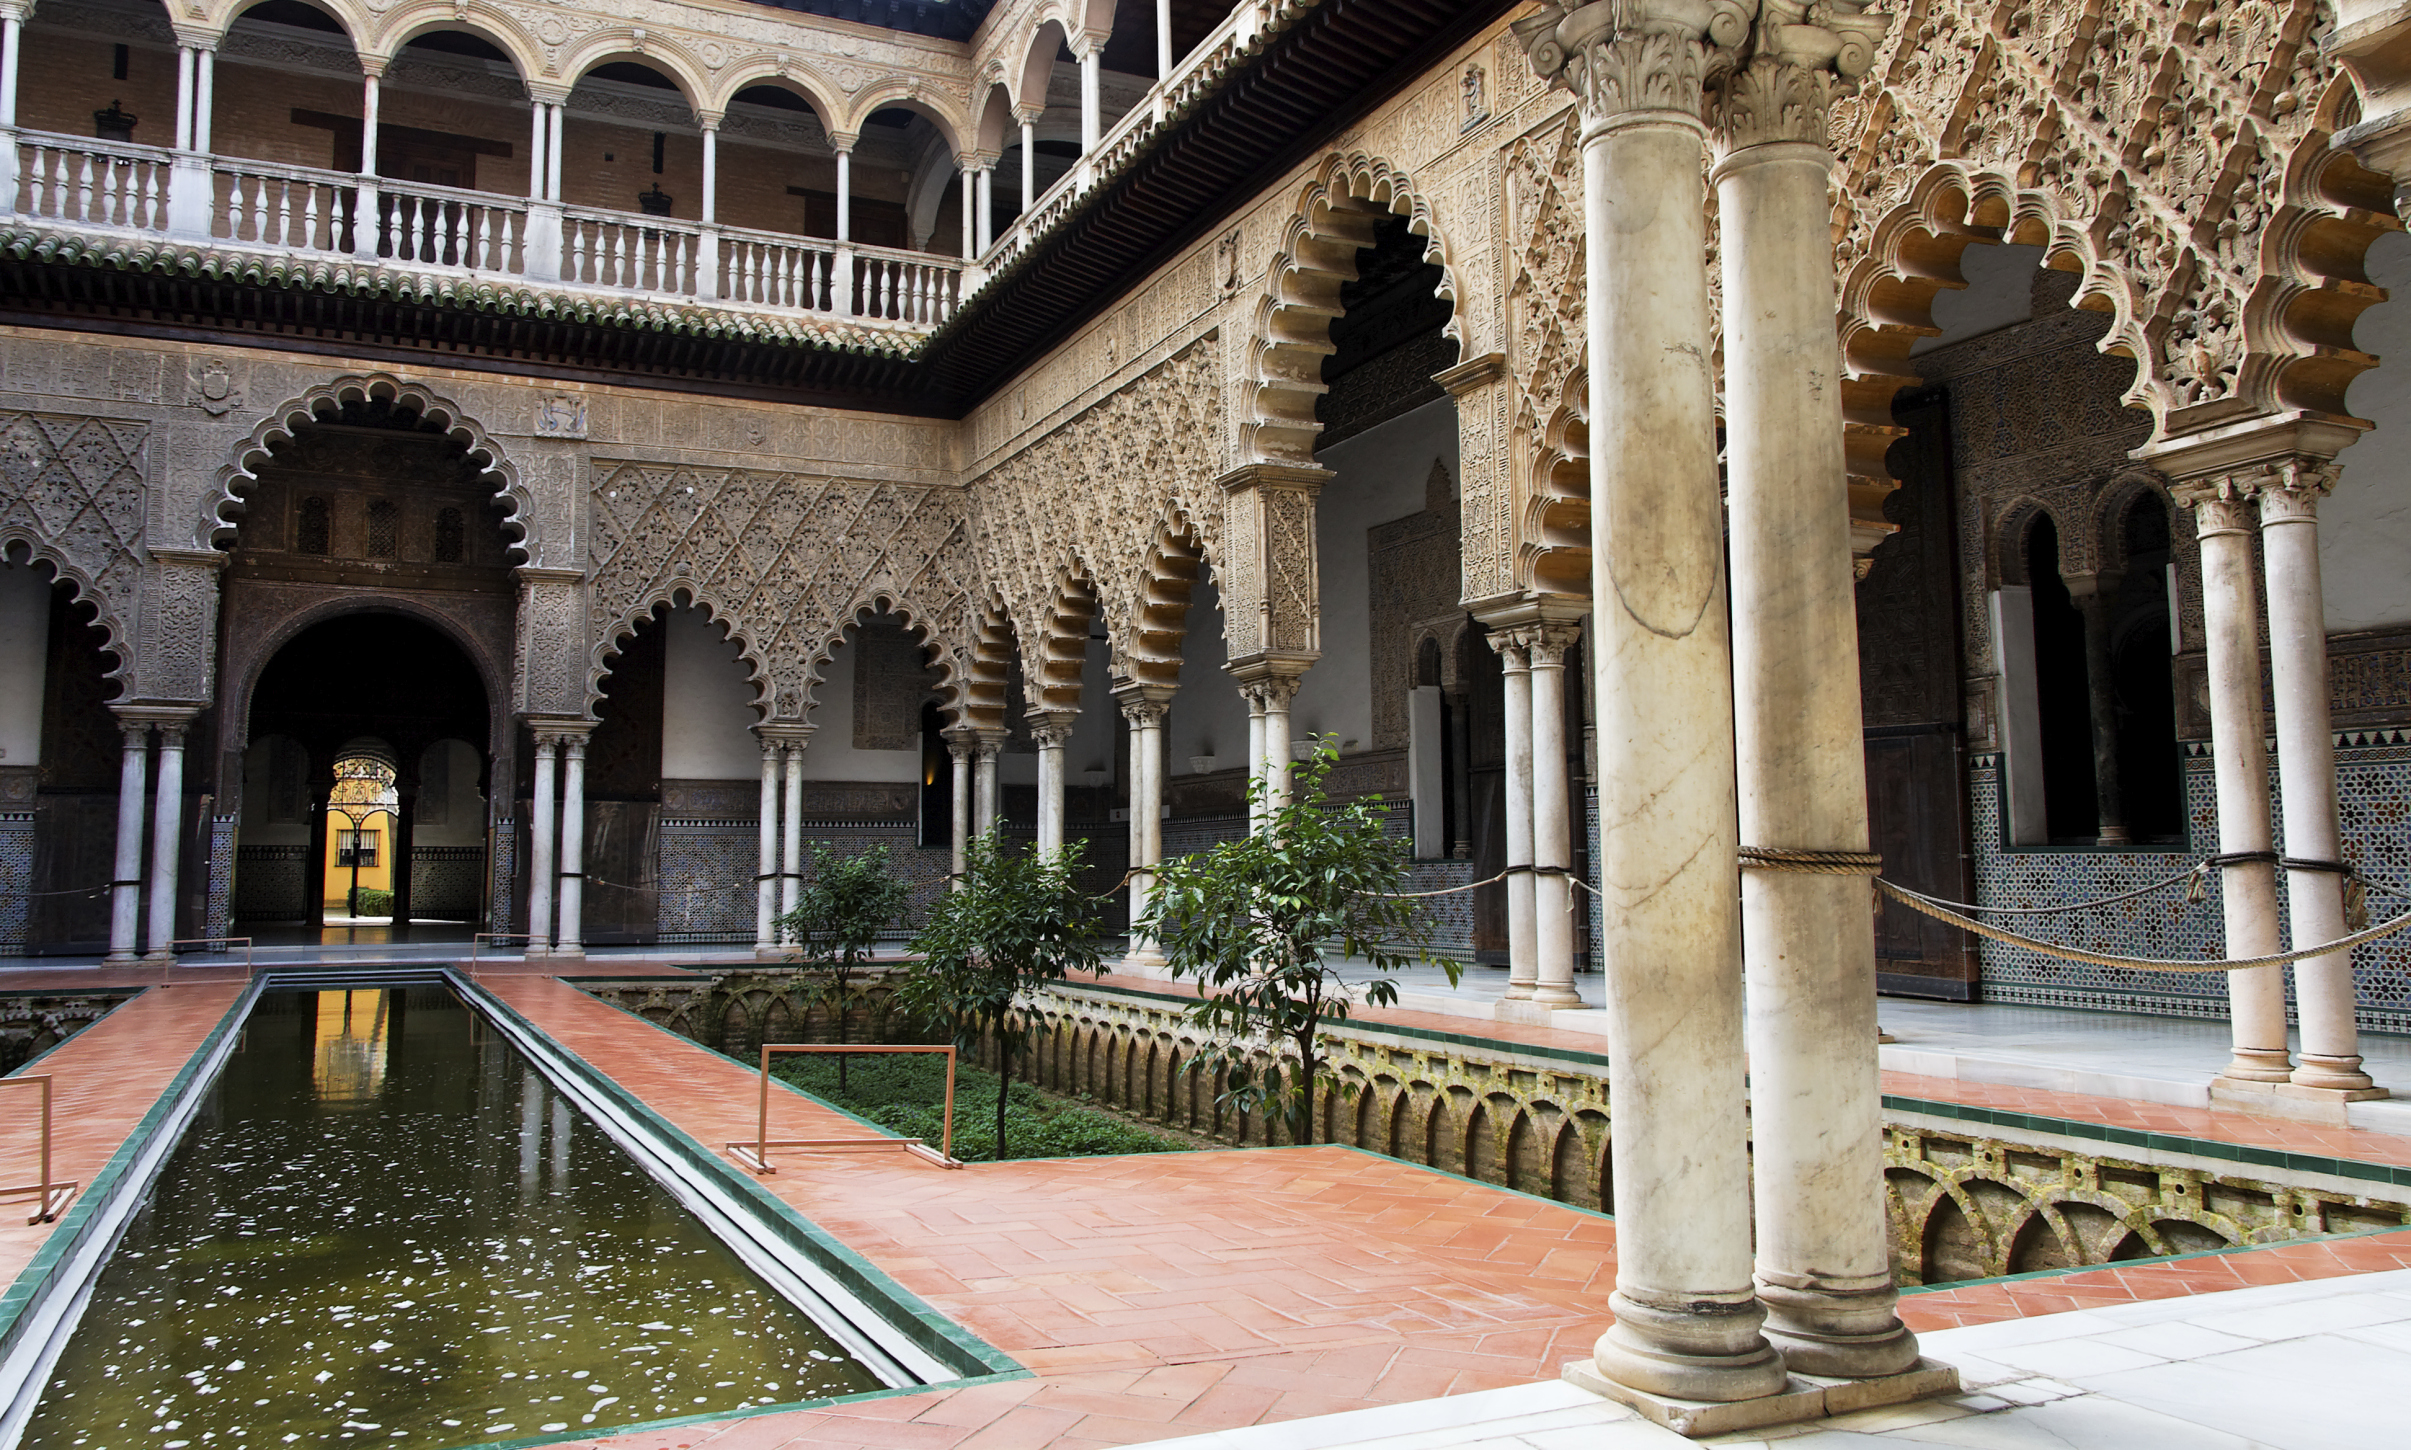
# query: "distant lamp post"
(363, 791)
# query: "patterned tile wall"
(268, 883)
(1450, 917)
(2373, 779)
(706, 870)
(218, 920)
(16, 881)
(444, 881)
(502, 905)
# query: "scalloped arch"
(681, 594)
(952, 692)
(1148, 649)
(1291, 332)
(987, 675)
(86, 591)
(244, 459)
(1555, 554)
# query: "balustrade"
(606, 249)
(103, 184)
(763, 269)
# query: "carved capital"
(1770, 100)
(1270, 693)
(1514, 647)
(1052, 729)
(1144, 706)
(1628, 58)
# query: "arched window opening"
(2141, 678)
(313, 532)
(2062, 693)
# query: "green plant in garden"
(1259, 920)
(1016, 922)
(837, 918)
(908, 1095)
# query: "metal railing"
(485, 936)
(227, 941)
(756, 1154)
(52, 1195)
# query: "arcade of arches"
(1382, 438)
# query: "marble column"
(167, 838)
(2095, 597)
(1092, 78)
(970, 214)
(570, 940)
(1029, 157)
(2306, 774)
(184, 96)
(125, 892)
(791, 843)
(1145, 707)
(1259, 786)
(1279, 781)
(1515, 661)
(2222, 525)
(552, 150)
(539, 117)
(1687, 1312)
(961, 746)
(1552, 824)
(12, 32)
(766, 873)
(1051, 730)
(205, 96)
(540, 830)
(987, 209)
(1163, 39)
(1824, 1268)
(985, 795)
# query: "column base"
(159, 957)
(121, 959)
(1559, 999)
(774, 954)
(1838, 1332)
(1145, 962)
(2334, 1074)
(570, 952)
(2256, 1065)
(2300, 1101)
(1644, 1351)
(1801, 1398)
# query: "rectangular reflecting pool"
(385, 1226)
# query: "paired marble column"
(1687, 1312)
(1552, 821)
(1824, 1272)
(2222, 525)
(766, 872)
(791, 844)
(961, 746)
(569, 941)
(540, 831)
(125, 891)
(1145, 707)
(2306, 774)
(167, 838)
(1515, 664)
(1051, 730)
(1268, 695)
(986, 791)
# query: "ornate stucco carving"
(783, 560)
(72, 492)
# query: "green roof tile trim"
(76, 1222)
(2294, 1243)
(933, 1332)
(2243, 1153)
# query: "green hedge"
(907, 1094)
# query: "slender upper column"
(1052, 730)
(766, 870)
(1687, 1312)
(1823, 1251)
(12, 31)
(125, 892)
(369, 102)
(1092, 75)
(543, 825)
(711, 176)
(970, 214)
(1163, 39)
(570, 940)
(961, 746)
(2306, 774)
(552, 151)
(205, 95)
(1514, 648)
(845, 193)
(1552, 823)
(1028, 117)
(987, 208)
(184, 96)
(167, 837)
(539, 116)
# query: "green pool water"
(384, 1226)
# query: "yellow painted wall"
(372, 878)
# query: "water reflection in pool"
(385, 1226)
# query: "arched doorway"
(401, 694)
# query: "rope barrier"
(1930, 907)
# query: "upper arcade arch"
(780, 72)
(489, 23)
(355, 22)
(662, 54)
(1036, 72)
(904, 93)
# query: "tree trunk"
(1004, 1089)
(841, 1028)
(1306, 1065)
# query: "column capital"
(785, 736)
(843, 142)
(1145, 704)
(979, 162)
(992, 740)
(1803, 56)
(558, 729)
(961, 745)
(1052, 729)
(1270, 692)
(1026, 114)
(540, 94)
(1626, 60)
(1513, 645)
(17, 10)
(710, 120)
(373, 65)
(192, 37)
(140, 716)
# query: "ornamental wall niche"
(783, 561)
(2174, 156)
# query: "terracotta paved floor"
(103, 1080)
(2092, 1288)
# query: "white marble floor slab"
(2316, 1366)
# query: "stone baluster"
(1687, 1312)
(1823, 1252)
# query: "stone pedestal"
(1802, 1398)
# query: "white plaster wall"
(1092, 744)
(831, 755)
(1208, 717)
(707, 709)
(1999, 292)
(1378, 475)
(24, 637)
(2365, 527)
